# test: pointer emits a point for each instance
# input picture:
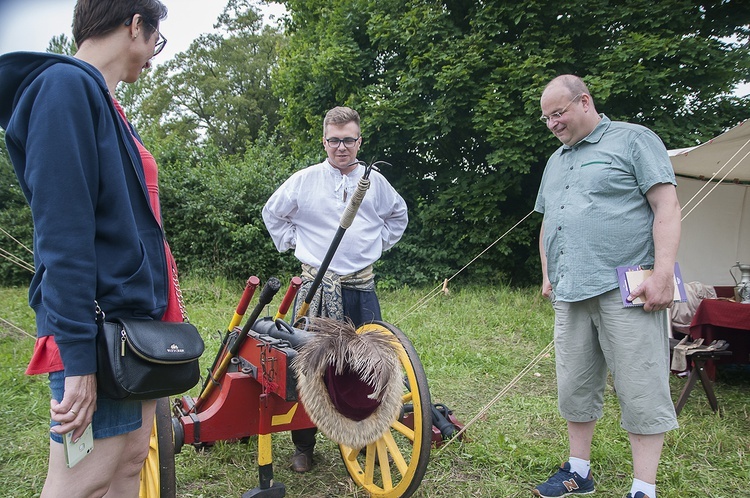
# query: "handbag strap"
(100, 316)
(178, 292)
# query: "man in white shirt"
(304, 214)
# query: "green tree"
(449, 94)
(212, 210)
(209, 117)
(219, 90)
(61, 44)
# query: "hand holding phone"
(75, 452)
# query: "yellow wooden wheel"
(394, 465)
(158, 474)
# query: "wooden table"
(723, 319)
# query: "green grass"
(472, 344)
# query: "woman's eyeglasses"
(161, 41)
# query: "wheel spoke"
(385, 468)
(403, 429)
(349, 454)
(395, 452)
(370, 464)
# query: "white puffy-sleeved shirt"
(304, 214)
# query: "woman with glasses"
(98, 239)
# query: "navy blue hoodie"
(95, 236)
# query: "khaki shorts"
(597, 334)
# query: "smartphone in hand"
(75, 452)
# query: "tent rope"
(16, 260)
(715, 184)
(16, 327)
(547, 349)
(544, 353)
(421, 303)
(16, 240)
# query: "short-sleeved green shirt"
(596, 215)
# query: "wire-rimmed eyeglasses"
(557, 115)
(348, 142)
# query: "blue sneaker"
(639, 494)
(565, 483)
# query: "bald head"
(571, 82)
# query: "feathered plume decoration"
(336, 349)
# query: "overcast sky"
(31, 24)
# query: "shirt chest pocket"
(594, 174)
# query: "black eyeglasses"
(348, 141)
(557, 115)
(161, 41)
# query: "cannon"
(257, 395)
(253, 389)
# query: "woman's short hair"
(93, 18)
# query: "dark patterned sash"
(328, 301)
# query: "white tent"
(713, 186)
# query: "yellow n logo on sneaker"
(570, 485)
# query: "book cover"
(630, 277)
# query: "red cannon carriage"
(253, 390)
(257, 396)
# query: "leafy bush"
(212, 210)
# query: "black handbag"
(146, 359)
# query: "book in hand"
(630, 277)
